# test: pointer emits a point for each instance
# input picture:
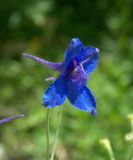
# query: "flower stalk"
(57, 133)
(48, 137)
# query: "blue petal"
(55, 94)
(74, 50)
(90, 59)
(81, 98)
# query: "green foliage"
(44, 28)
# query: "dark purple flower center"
(76, 74)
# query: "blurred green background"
(44, 28)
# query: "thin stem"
(48, 139)
(57, 133)
(132, 141)
(112, 156)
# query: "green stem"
(57, 133)
(112, 157)
(48, 115)
(132, 141)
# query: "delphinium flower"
(9, 119)
(79, 62)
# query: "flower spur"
(79, 62)
(9, 119)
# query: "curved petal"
(74, 50)
(82, 98)
(90, 59)
(55, 94)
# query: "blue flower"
(78, 64)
